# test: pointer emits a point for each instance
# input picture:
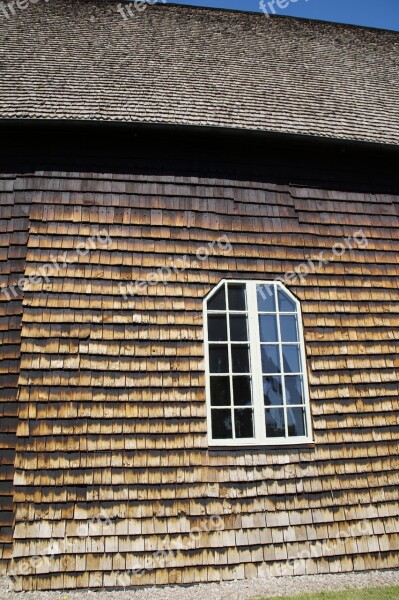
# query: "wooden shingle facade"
(107, 476)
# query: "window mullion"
(280, 349)
(233, 425)
(257, 383)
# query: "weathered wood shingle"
(13, 236)
(112, 403)
(109, 391)
(80, 60)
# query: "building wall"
(14, 225)
(112, 461)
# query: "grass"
(386, 593)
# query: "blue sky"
(383, 14)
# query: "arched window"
(257, 389)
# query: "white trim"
(255, 350)
(256, 373)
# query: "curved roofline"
(83, 146)
(255, 134)
(92, 60)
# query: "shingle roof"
(80, 60)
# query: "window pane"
(296, 422)
(240, 357)
(273, 391)
(286, 304)
(291, 360)
(238, 328)
(220, 391)
(217, 328)
(270, 359)
(268, 328)
(242, 391)
(244, 423)
(275, 424)
(237, 299)
(221, 424)
(294, 390)
(218, 359)
(266, 298)
(218, 300)
(289, 329)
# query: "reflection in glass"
(244, 423)
(238, 328)
(273, 391)
(291, 359)
(237, 300)
(218, 359)
(296, 422)
(221, 424)
(217, 328)
(289, 330)
(266, 298)
(240, 358)
(218, 300)
(268, 328)
(275, 423)
(294, 389)
(220, 391)
(270, 359)
(242, 391)
(286, 304)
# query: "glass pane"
(220, 391)
(266, 298)
(289, 329)
(294, 390)
(275, 424)
(291, 360)
(285, 303)
(217, 328)
(238, 328)
(237, 299)
(240, 358)
(273, 391)
(244, 423)
(218, 300)
(296, 422)
(218, 359)
(221, 424)
(242, 391)
(270, 359)
(268, 328)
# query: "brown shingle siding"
(111, 390)
(14, 226)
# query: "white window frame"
(256, 370)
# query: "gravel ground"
(234, 590)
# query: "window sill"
(306, 444)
